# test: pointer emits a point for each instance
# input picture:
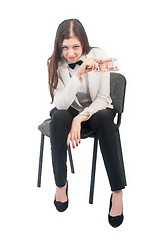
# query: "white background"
(128, 30)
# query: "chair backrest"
(117, 91)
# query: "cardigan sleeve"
(103, 99)
(65, 93)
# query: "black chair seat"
(45, 127)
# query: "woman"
(82, 99)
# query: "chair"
(117, 93)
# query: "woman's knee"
(101, 118)
(105, 115)
(60, 117)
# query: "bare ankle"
(118, 192)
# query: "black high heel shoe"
(117, 220)
(61, 207)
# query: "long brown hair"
(67, 29)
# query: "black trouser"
(102, 123)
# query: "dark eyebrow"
(76, 44)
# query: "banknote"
(108, 64)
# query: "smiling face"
(72, 49)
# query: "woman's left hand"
(75, 133)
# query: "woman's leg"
(102, 123)
(60, 125)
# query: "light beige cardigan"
(99, 88)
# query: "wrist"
(82, 118)
(79, 75)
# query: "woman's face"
(72, 49)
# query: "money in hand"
(108, 64)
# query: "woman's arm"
(103, 99)
(67, 87)
(65, 93)
(75, 133)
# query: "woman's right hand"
(88, 65)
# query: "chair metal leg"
(40, 160)
(70, 159)
(93, 170)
